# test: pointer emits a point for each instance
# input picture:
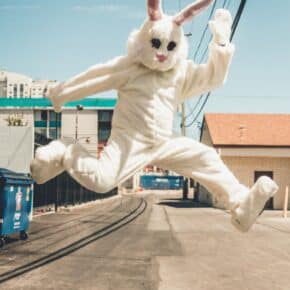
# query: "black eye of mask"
(171, 45)
(156, 43)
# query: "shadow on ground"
(181, 203)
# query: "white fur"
(247, 206)
(48, 161)
(150, 90)
(141, 50)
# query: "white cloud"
(18, 7)
(98, 8)
(110, 8)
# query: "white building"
(91, 126)
(251, 145)
(38, 87)
(15, 85)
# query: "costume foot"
(48, 162)
(246, 210)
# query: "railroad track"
(84, 241)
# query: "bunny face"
(159, 45)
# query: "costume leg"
(48, 161)
(200, 162)
(121, 158)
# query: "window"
(47, 126)
(15, 91)
(52, 116)
(21, 90)
(40, 115)
(104, 125)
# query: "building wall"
(16, 148)
(205, 138)
(17, 85)
(14, 85)
(87, 128)
(26, 114)
(38, 87)
(244, 168)
(243, 162)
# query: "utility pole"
(78, 108)
(56, 199)
(183, 132)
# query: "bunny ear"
(154, 9)
(191, 11)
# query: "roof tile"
(249, 129)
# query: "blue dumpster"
(161, 182)
(16, 199)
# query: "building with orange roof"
(251, 145)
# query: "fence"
(64, 191)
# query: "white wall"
(87, 127)
(26, 113)
(16, 148)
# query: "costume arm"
(117, 64)
(89, 87)
(114, 65)
(203, 78)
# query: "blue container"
(16, 199)
(161, 182)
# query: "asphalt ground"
(148, 241)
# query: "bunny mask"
(152, 81)
(160, 43)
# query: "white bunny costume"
(152, 81)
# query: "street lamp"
(78, 108)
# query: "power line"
(195, 106)
(199, 111)
(206, 49)
(197, 50)
(234, 26)
(205, 29)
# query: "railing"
(64, 191)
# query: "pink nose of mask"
(161, 57)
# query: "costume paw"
(48, 161)
(247, 209)
(221, 27)
(52, 93)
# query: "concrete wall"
(16, 148)
(26, 113)
(243, 162)
(244, 168)
(87, 127)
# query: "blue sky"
(57, 39)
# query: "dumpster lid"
(12, 176)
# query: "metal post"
(286, 198)
(183, 132)
(78, 108)
(185, 188)
(57, 179)
(56, 195)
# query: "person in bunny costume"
(152, 81)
